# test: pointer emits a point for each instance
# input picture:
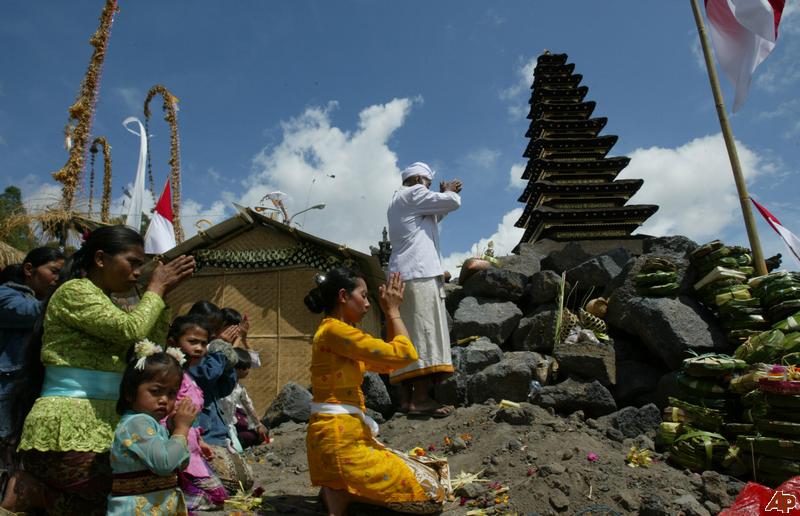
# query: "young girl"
(201, 486)
(144, 457)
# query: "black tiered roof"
(572, 191)
(579, 170)
(566, 128)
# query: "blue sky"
(279, 95)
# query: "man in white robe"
(414, 215)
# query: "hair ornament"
(143, 349)
(319, 279)
(85, 236)
(177, 354)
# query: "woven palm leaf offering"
(782, 401)
(712, 364)
(705, 418)
(766, 347)
(699, 450)
(782, 310)
(705, 249)
(658, 278)
(754, 407)
(730, 257)
(779, 293)
(668, 431)
(593, 323)
(699, 387)
(736, 429)
(774, 413)
(770, 446)
(789, 324)
(785, 429)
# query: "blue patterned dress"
(144, 460)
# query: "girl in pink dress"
(201, 488)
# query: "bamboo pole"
(730, 145)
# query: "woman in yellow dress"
(343, 455)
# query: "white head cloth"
(417, 169)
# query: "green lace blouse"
(83, 328)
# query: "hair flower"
(143, 349)
(177, 354)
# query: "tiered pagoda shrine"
(572, 191)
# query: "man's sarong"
(425, 316)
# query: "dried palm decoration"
(81, 112)
(105, 203)
(170, 107)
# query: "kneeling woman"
(343, 455)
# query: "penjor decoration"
(79, 125)
(105, 202)
(170, 108)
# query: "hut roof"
(247, 218)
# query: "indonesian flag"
(789, 238)
(160, 235)
(744, 33)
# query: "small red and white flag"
(160, 235)
(744, 33)
(789, 238)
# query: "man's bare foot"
(336, 501)
(430, 408)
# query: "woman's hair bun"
(314, 301)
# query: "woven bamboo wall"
(281, 327)
(279, 330)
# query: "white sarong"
(425, 316)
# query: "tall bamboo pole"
(730, 144)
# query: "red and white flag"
(744, 33)
(160, 235)
(789, 238)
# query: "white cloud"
(515, 181)
(193, 212)
(481, 157)
(518, 93)
(505, 238)
(213, 174)
(365, 169)
(39, 196)
(697, 51)
(790, 19)
(132, 97)
(493, 17)
(786, 109)
(693, 186)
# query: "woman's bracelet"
(395, 317)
